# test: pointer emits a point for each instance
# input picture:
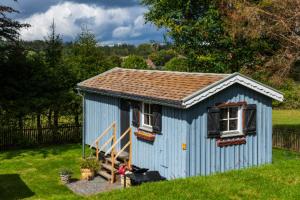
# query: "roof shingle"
(151, 84)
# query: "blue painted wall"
(100, 112)
(204, 157)
(165, 154)
(189, 126)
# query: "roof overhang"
(225, 83)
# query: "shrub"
(177, 64)
(90, 163)
(134, 62)
(65, 171)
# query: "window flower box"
(145, 136)
(228, 142)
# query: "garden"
(34, 174)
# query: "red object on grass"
(122, 170)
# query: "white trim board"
(225, 83)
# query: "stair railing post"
(113, 155)
(130, 148)
(97, 150)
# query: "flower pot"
(87, 174)
(65, 178)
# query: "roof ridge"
(174, 72)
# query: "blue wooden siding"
(204, 157)
(100, 112)
(165, 154)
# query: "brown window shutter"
(136, 113)
(157, 121)
(213, 122)
(249, 118)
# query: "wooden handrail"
(103, 133)
(106, 143)
(128, 143)
(115, 143)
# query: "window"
(147, 115)
(230, 121)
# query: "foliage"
(65, 172)
(38, 170)
(134, 62)
(277, 20)
(177, 64)
(9, 28)
(160, 58)
(90, 163)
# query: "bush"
(65, 171)
(177, 64)
(90, 163)
(134, 62)
(160, 58)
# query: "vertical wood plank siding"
(165, 154)
(204, 157)
(100, 112)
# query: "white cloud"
(108, 24)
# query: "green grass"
(286, 117)
(33, 173)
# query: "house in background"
(183, 124)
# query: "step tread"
(116, 161)
(105, 174)
(108, 167)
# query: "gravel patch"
(97, 185)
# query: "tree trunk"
(55, 125)
(49, 116)
(39, 126)
(20, 122)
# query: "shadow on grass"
(43, 151)
(13, 187)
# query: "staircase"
(111, 159)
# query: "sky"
(112, 21)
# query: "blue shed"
(180, 124)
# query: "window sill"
(223, 142)
(232, 134)
(146, 128)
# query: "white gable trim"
(225, 83)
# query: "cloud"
(120, 24)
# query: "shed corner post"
(83, 123)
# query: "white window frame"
(144, 126)
(239, 130)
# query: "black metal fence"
(31, 137)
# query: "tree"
(198, 30)
(276, 20)
(177, 64)
(134, 62)
(160, 58)
(9, 28)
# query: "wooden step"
(116, 161)
(108, 167)
(104, 174)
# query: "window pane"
(151, 120)
(233, 124)
(146, 119)
(223, 125)
(224, 113)
(146, 108)
(233, 112)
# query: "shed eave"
(225, 83)
(165, 102)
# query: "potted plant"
(65, 175)
(88, 167)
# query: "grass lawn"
(286, 117)
(33, 173)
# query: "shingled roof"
(165, 87)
